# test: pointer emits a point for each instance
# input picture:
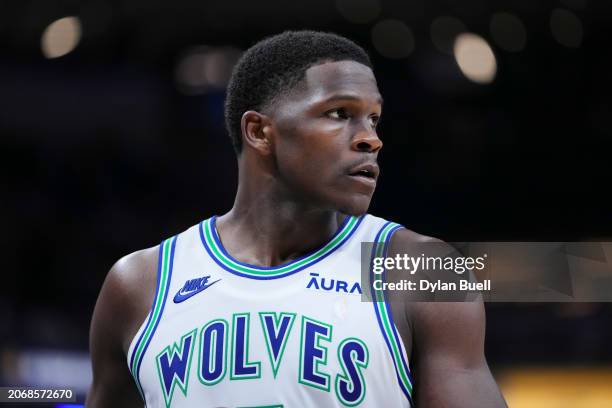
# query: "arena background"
(112, 138)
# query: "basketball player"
(261, 307)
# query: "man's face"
(326, 143)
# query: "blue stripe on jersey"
(385, 249)
(406, 389)
(162, 287)
(159, 269)
(270, 272)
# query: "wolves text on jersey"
(212, 343)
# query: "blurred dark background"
(112, 138)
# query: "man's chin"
(356, 207)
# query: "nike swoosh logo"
(182, 296)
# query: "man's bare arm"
(124, 301)
(445, 341)
(450, 366)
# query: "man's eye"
(340, 113)
(374, 120)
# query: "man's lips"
(368, 171)
(365, 175)
(368, 182)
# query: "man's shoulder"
(433, 313)
(128, 290)
(405, 236)
(406, 241)
(401, 235)
(135, 275)
(122, 306)
(130, 270)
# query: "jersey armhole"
(384, 316)
(140, 342)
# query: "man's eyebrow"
(350, 97)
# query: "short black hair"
(275, 65)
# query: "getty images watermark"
(411, 264)
(491, 271)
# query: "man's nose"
(366, 140)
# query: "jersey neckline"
(216, 250)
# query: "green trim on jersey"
(222, 257)
(157, 308)
(380, 304)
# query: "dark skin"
(297, 182)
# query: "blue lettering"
(189, 285)
(331, 285)
(203, 281)
(212, 352)
(353, 357)
(276, 332)
(341, 285)
(313, 281)
(173, 366)
(313, 353)
(241, 367)
(356, 287)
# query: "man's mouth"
(363, 173)
(367, 171)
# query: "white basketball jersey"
(222, 333)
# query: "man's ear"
(257, 131)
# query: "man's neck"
(266, 232)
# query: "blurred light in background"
(202, 69)
(553, 387)
(566, 28)
(358, 11)
(69, 369)
(475, 58)
(61, 37)
(444, 30)
(393, 39)
(508, 32)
